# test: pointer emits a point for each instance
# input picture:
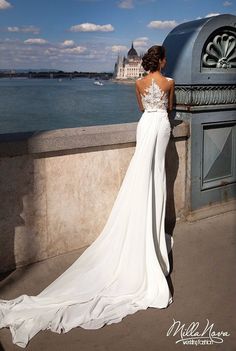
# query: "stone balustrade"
(57, 187)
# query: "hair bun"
(150, 60)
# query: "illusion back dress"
(124, 270)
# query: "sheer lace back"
(154, 97)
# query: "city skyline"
(87, 35)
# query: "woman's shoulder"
(139, 81)
(170, 81)
(168, 78)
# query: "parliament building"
(128, 67)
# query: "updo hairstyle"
(150, 60)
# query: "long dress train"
(124, 270)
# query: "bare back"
(165, 84)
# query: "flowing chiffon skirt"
(124, 270)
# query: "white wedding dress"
(124, 270)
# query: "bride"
(124, 270)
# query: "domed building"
(128, 67)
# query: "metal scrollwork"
(220, 51)
(205, 95)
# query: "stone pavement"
(203, 282)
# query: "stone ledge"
(212, 210)
(80, 138)
(203, 108)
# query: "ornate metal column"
(201, 58)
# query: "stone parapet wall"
(57, 187)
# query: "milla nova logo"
(190, 335)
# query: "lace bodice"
(154, 97)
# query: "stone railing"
(57, 187)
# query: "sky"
(87, 35)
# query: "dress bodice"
(154, 97)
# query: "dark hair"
(150, 60)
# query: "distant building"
(130, 67)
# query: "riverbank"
(124, 81)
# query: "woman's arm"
(139, 97)
(171, 95)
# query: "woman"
(124, 270)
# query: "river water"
(29, 105)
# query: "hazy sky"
(86, 35)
